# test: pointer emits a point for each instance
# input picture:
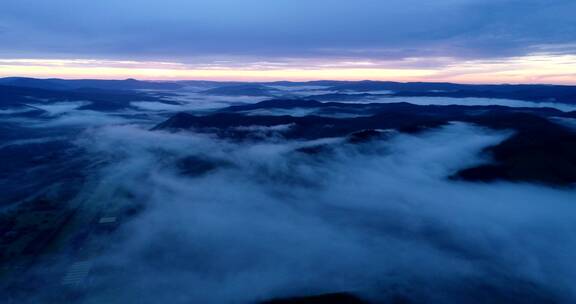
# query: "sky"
(473, 41)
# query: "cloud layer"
(380, 220)
(370, 28)
(394, 39)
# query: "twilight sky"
(515, 41)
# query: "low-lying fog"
(192, 100)
(443, 101)
(266, 221)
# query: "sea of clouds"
(267, 220)
(377, 219)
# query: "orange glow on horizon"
(560, 69)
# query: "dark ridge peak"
(180, 120)
(364, 136)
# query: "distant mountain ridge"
(243, 90)
(75, 84)
(333, 90)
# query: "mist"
(471, 101)
(266, 220)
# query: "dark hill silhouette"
(73, 84)
(528, 92)
(539, 150)
(100, 100)
(242, 90)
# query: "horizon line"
(282, 80)
(530, 69)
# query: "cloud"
(189, 100)
(156, 106)
(569, 122)
(471, 101)
(32, 141)
(539, 67)
(285, 29)
(57, 108)
(79, 118)
(21, 110)
(375, 219)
